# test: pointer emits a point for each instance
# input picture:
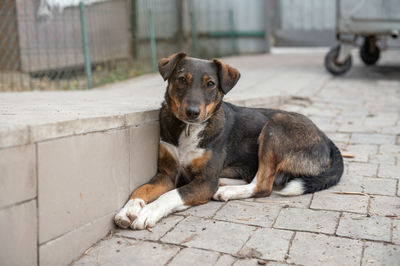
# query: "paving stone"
(206, 210)
(363, 227)
(209, 234)
(380, 186)
(339, 137)
(361, 152)
(384, 205)
(268, 244)
(307, 220)
(188, 256)
(363, 169)
(301, 201)
(261, 214)
(250, 262)
(387, 159)
(396, 231)
(372, 138)
(121, 251)
(225, 260)
(389, 149)
(381, 254)
(158, 231)
(348, 182)
(327, 200)
(318, 249)
(391, 171)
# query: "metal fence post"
(233, 33)
(194, 30)
(152, 43)
(86, 51)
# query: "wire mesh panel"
(42, 42)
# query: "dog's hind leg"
(225, 193)
(261, 185)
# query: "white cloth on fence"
(47, 6)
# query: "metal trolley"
(372, 21)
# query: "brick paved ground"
(361, 113)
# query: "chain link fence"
(46, 44)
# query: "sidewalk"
(356, 222)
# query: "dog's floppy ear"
(167, 65)
(228, 76)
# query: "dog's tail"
(309, 184)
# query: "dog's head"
(195, 86)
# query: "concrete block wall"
(59, 193)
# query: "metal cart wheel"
(369, 51)
(333, 66)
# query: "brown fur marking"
(197, 165)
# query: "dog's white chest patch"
(187, 149)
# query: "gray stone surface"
(163, 226)
(380, 186)
(307, 220)
(301, 201)
(362, 152)
(209, 234)
(192, 256)
(205, 210)
(268, 244)
(327, 200)
(18, 231)
(392, 171)
(248, 213)
(225, 260)
(363, 169)
(381, 254)
(363, 227)
(314, 249)
(80, 180)
(18, 174)
(396, 231)
(384, 205)
(120, 251)
(372, 138)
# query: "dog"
(213, 149)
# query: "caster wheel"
(335, 67)
(369, 51)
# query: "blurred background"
(62, 45)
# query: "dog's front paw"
(223, 194)
(129, 213)
(148, 217)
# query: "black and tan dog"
(213, 149)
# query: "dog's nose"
(192, 112)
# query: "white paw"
(129, 213)
(223, 194)
(148, 217)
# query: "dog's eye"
(182, 80)
(210, 84)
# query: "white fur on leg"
(293, 188)
(167, 203)
(226, 193)
(230, 182)
(129, 212)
